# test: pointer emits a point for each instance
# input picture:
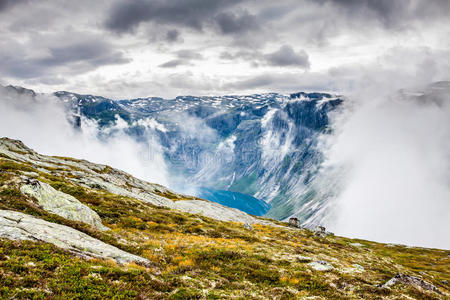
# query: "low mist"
(41, 123)
(393, 152)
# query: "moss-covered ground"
(195, 257)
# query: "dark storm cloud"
(242, 54)
(285, 81)
(398, 13)
(172, 35)
(174, 63)
(71, 59)
(232, 23)
(188, 54)
(184, 57)
(254, 82)
(254, 24)
(127, 15)
(5, 4)
(286, 56)
(94, 54)
(387, 11)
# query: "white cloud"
(41, 123)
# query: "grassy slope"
(197, 257)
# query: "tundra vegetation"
(191, 256)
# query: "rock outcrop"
(18, 226)
(294, 222)
(412, 281)
(217, 211)
(321, 265)
(321, 231)
(62, 204)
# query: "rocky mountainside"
(73, 229)
(242, 151)
(90, 175)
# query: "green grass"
(9, 165)
(195, 257)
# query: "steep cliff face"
(262, 145)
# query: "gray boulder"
(321, 231)
(61, 204)
(412, 281)
(248, 226)
(294, 222)
(18, 226)
(321, 265)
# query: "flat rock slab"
(303, 259)
(216, 211)
(18, 226)
(321, 265)
(410, 280)
(358, 245)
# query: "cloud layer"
(41, 122)
(394, 153)
(138, 47)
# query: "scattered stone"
(61, 204)
(30, 264)
(248, 226)
(395, 245)
(95, 276)
(321, 231)
(321, 265)
(356, 245)
(294, 222)
(358, 267)
(355, 269)
(410, 280)
(18, 226)
(303, 259)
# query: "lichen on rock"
(321, 265)
(61, 204)
(18, 226)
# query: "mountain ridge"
(262, 145)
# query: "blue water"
(245, 203)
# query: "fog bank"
(40, 121)
(395, 150)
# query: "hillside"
(74, 229)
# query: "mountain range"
(258, 153)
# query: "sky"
(140, 48)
